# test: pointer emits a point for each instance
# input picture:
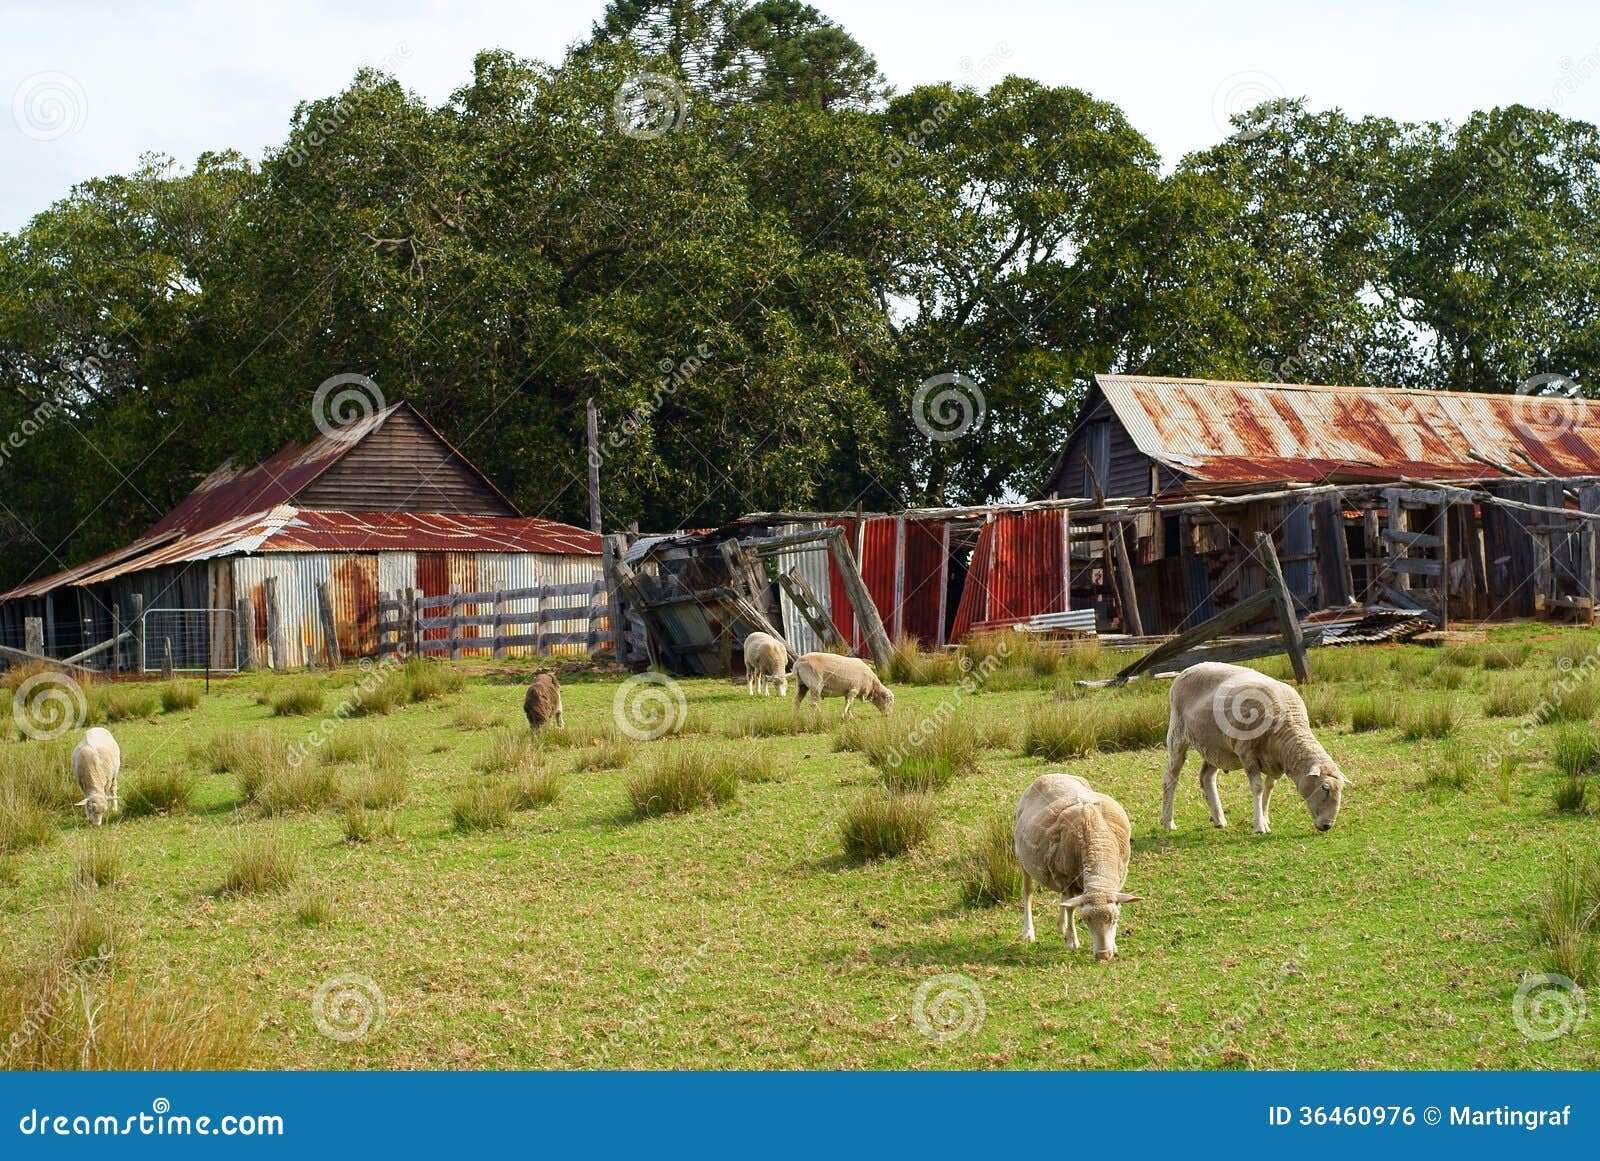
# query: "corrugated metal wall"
(1016, 571)
(814, 563)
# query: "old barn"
(1445, 505)
(383, 505)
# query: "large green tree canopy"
(715, 219)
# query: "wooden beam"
(1288, 622)
(330, 628)
(244, 627)
(867, 618)
(1247, 610)
(138, 633)
(95, 650)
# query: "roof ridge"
(1426, 392)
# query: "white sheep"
(828, 674)
(1236, 718)
(96, 762)
(766, 659)
(1075, 840)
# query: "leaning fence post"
(330, 629)
(275, 640)
(1293, 643)
(499, 612)
(244, 629)
(166, 659)
(116, 640)
(33, 635)
(138, 633)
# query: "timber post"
(1288, 622)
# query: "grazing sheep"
(96, 762)
(543, 703)
(766, 659)
(1074, 840)
(826, 674)
(1237, 717)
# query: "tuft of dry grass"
(1568, 918)
(314, 908)
(179, 695)
(1511, 697)
(611, 750)
(1576, 703)
(300, 700)
(122, 703)
(291, 787)
(99, 863)
(881, 824)
(423, 680)
(474, 718)
(258, 864)
(773, 719)
(1372, 712)
(1056, 730)
(88, 939)
(684, 777)
(163, 790)
(60, 1019)
(990, 873)
(376, 784)
(483, 804)
(909, 664)
(1431, 718)
(1325, 705)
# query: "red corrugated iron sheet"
(844, 617)
(878, 565)
(1015, 571)
(924, 571)
(1228, 432)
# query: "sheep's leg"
(1027, 907)
(1258, 801)
(750, 683)
(1208, 787)
(1069, 926)
(1177, 751)
(1266, 803)
(849, 700)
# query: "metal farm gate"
(192, 639)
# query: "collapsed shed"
(1384, 507)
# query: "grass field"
(504, 930)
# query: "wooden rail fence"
(415, 624)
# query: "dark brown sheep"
(543, 703)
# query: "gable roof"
(1225, 432)
(229, 493)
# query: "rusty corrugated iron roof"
(230, 492)
(1222, 432)
(285, 528)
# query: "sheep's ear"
(1344, 779)
(1124, 897)
(81, 802)
(1075, 901)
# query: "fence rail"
(407, 625)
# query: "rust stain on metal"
(1215, 431)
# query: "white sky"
(91, 85)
